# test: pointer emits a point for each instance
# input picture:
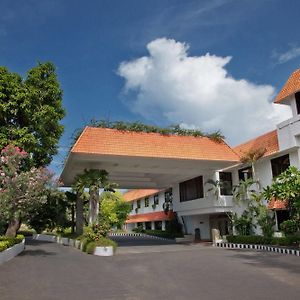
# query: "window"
(297, 96)
(158, 225)
(169, 196)
(280, 164)
(156, 200)
(132, 206)
(138, 204)
(148, 225)
(191, 189)
(245, 173)
(146, 201)
(225, 183)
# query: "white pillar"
(152, 225)
(163, 225)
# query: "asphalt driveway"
(51, 271)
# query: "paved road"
(48, 271)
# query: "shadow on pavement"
(268, 260)
(37, 252)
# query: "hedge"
(102, 242)
(7, 242)
(261, 240)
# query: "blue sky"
(98, 47)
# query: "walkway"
(48, 271)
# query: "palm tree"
(251, 157)
(79, 185)
(95, 179)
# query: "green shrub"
(139, 229)
(4, 245)
(248, 239)
(7, 242)
(84, 243)
(102, 242)
(261, 240)
(90, 247)
(289, 226)
(26, 232)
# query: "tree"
(94, 180)
(78, 187)
(50, 214)
(114, 209)
(286, 187)
(251, 157)
(30, 112)
(20, 191)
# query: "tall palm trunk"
(93, 205)
(79, 214)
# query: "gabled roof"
(154, 216)
(267, 141)
(291, 87)
(139, 194)
(104, 141)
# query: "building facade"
(153, 164)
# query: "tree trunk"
(13, 227)
(93, 205)
(79, 214)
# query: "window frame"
(185, 189)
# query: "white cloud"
(288, 55)
(198, 92)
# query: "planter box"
(104, 251)
(77, 244)
(71, 242)
(64, 241)
(11, 252)
(44, 237)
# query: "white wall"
(198, 221)
(149, 209)
(208, 204)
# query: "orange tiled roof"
(291, 86)
(138, 194)
(104, 141)
(154, 216)
(268, 141)
(277, 204)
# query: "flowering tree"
(20, 190)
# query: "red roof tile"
(139, 193)
(155, 216)
(104, 141)
(267, 141)
(291, 87)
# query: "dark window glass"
(146, 202)
(131, 206)
(148, 225)
(158, 225)
(191, 189)
(297, 96)
(280, 164)
(245, 173)
(282, 215)
(225, 183)
(138, 203)
(156, 200)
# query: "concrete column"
(163, 225)
(152, 225)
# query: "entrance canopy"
(145, 160)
